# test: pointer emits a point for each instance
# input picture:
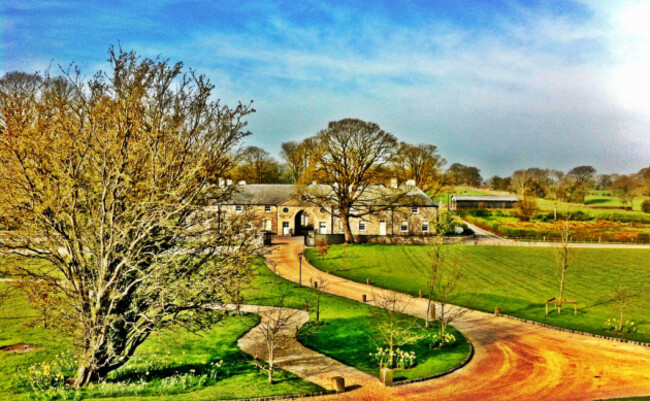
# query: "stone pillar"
(338, 384)
(386, 376)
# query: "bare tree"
(395, 328)
(621, 296)
(624, 187)
(347, 158)
(107, 180)
(564, 256)
(43, 296)
(320, 285)
(444, 279)
(275, 329)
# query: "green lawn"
(180, 353)
(516, 279)
(349, 332)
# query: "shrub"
(645, 206)
(629, 327)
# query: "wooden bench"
(554, 302)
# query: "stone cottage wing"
(262, 194)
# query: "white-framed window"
(238, 208)
(267, 209)
(425, 227)
(404, 226)
(415, 210)
(362, 226)
(249, 226)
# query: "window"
(415, 210)
(404, 226)
(362, 226)
(249, 226)
(285, 210)
(238, 208)
(425, 227)
(267, 209)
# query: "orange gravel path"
(513, 360)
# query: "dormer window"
(415, 210)
(238, 208)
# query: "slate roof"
(275, 194)
(485, 198)
(263, 194)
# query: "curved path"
(513, 360)
(292, 356)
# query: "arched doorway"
(300, 222)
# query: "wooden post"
(316, 284)
(432, 312)
(421, 294)
(306, 306)
(368, 282)
(546, 309)
(575, 311)
(386, 376)
(363, 298)
(338, 384)
(497, 311)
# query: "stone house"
(277, 208)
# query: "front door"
(382, 227)
(285, 228)
(323, 227)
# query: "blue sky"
(500, 85)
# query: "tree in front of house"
(346, 159)
(106, 180)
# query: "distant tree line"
(574, 185)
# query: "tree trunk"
(620, 321)
(559, 308)
(271, 365)
(345, 218)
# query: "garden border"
(281, 397)
(600, 336)
(467, 360)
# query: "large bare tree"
(347, 158)
(257, 166)
(296, 157)
(106, 179)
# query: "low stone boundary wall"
(337, 239)
(284, 397)
(548, 326)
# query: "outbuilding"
(482, 202)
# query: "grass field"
(516, 279)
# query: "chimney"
(410, 183)
(242, 182)
(393, 182)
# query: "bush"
(645, 206)
(629, 327)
